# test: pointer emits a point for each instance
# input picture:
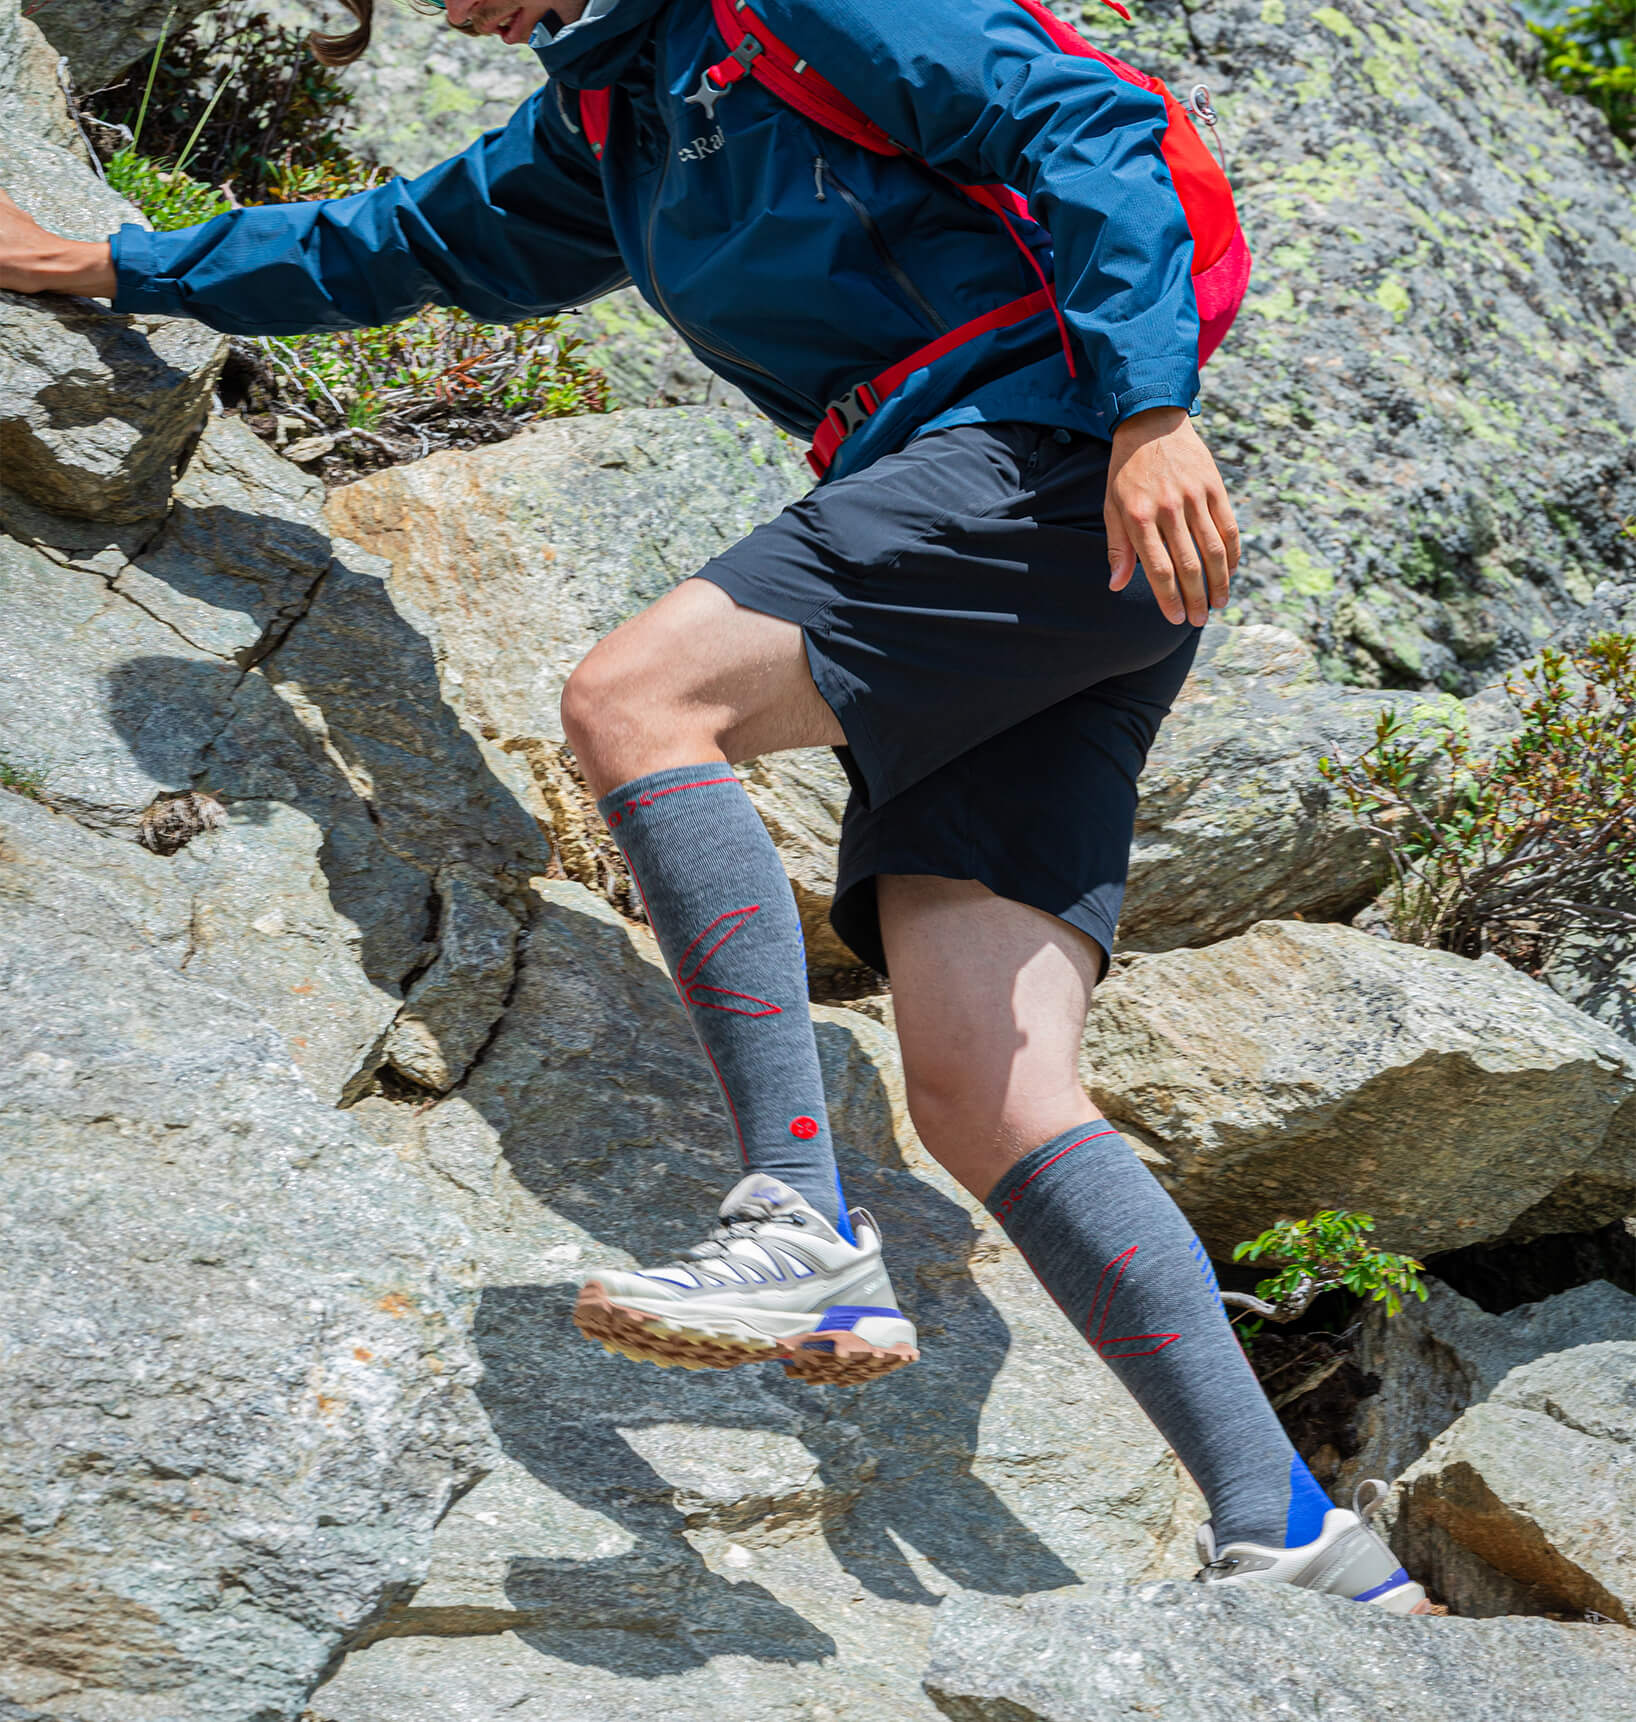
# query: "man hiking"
(988, 605)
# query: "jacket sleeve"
(978, 90)
(515, 226)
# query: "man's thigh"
(695, 674)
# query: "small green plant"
(167, 196)
(1515, 852)
(1591, 50)
(439, 373)
(22, 780)
(1331, 1249)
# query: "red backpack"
(1221, 259)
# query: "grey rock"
(1235, 824)
(238, 1379)
(102, 40)
(526, 553)
(1264, 1654)
(1424, 415)
(109, 705)
(96, 410)
(34, 83)
(666, 1544)
(240, 551)
(1299, 1067)
(647, 363)
(452, 1008)
(1528, 1503)
(1434, 1359)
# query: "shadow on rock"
(593, 1088)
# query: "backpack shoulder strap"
(593, 116)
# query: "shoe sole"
(834, 1359)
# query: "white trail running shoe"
(1346, 1559)
(774, 1280)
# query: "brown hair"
(344, 49)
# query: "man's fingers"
(1184, 559)
(1121, 552)
(1212, 551)
(1226, 522)
(1161, 576)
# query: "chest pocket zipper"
(823, 174)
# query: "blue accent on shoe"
(1307, 1506)
(845, 1316)
(843, 1225)
(1395, 1582)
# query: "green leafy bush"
(244, 102)
(1331, 1249)
(1591, 50)
(1515, 852)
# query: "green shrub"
(168, 197)
(1591, 50)
(1515, 852)
(1331, 1249)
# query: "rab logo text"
(702, 147)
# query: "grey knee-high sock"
(1114, 1251)
(721, 908)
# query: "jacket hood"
(593, 55)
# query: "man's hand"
(1168, 509)
(33, 260)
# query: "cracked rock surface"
(1264, 1654)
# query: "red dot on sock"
(804, 1127)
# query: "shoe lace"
(735, 1226)
(1221, 1564)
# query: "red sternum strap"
(846, 414)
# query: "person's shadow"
(605, 1113)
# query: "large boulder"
(1299, 1067)
(1528, 1503)
(1434, 1359)
(523, 555)
(670, 1543)
(97, 411)
(238, 1378)
(1263, 1654)
(1425, 413)
(1235, 824)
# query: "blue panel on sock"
(843, 1225)
(1307, 1505)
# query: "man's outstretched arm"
(515, 226)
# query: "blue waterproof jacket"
(793, 263)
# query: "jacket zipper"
(821, 170)
(676, 322)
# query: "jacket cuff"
(138, 283)
(1141, 386)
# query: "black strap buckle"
(852, 409)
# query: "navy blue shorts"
(997, 699)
